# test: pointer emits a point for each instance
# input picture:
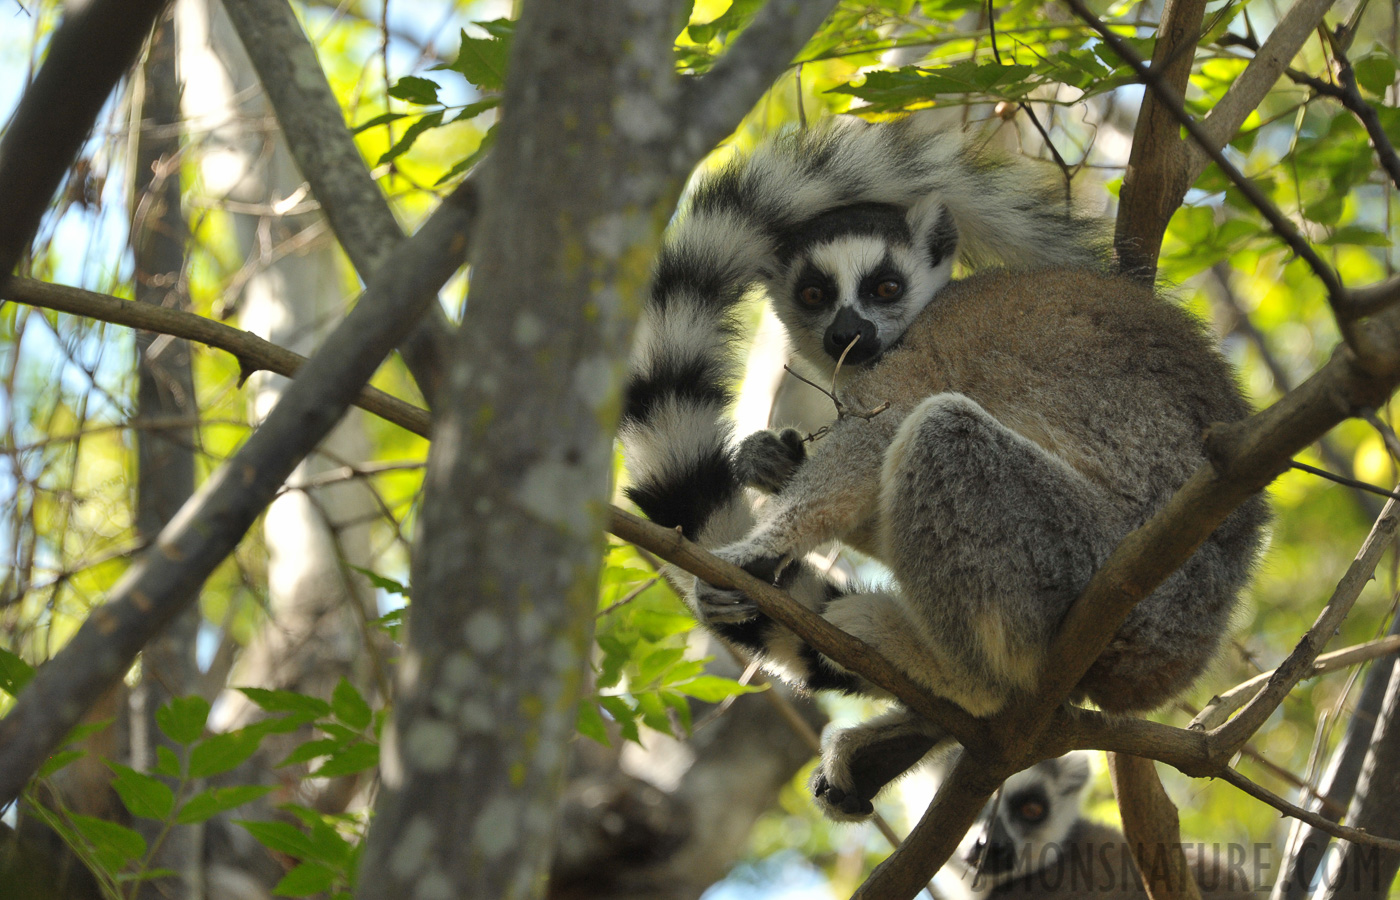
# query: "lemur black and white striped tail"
(675, 429)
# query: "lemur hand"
(767, 460)
(717, 606)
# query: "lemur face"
(855, 277)
(1026, 829)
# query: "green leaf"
(910, 85)
(681, 706)
(286, 701)
(382, 119)
(114, 845)
(208, 803)
(732, 19)
(84, 730)
(482, 61)
(311, 750)
(391, 623)
(329, 846)
(499, 28)
(352, 759)
(657, 625)
(590, 722)
(416, 90)
(624, 715)
(281, 837)
(223, 752)
(487, 140)
(58, 761)
(304, 880)
(182, 719)
(14, 673)
(387, 585)
(167, 763)
(144, 796)
(349, 707)
(712, 688)
(651, 666)
(653, 711)
(1375, 72)
(410, 135)
(472, 110)
(1358, 236)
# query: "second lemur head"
(1025, 828)
(862, 271)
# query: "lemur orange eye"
(1031, 811)
(888, 289)
(811, 296)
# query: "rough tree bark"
(587, 165)
(166, 408)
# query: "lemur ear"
(933, 229)
(1074, 772)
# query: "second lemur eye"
(1031, 811)
(888, 289)
(811, 296)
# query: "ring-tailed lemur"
(1036, 416)
(1032, 841)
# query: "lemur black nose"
(848, 326)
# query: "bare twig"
(1299, 663)
(1342, 479)
(252, 352)
(1356, 836)
(1224, 705)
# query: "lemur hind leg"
(859, 761)
(990, 537)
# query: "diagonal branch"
(211, 524)
(1258, 78)
(715, 103)
(89, 53)
(1225, 705)
(325, 152)
(1299, 663)
(847, 651)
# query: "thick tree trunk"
(165, 435)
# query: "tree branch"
(1156, 179)
(325, 152)
(252, 352)
(1299, 663)
(1355, 835)
(168, 576)
(1224, 705)
(849, 652)
(1344, 308)
(89, 53)
(1152, 828)
(1249, 89)
(715, 104)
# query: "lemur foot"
(858, 762)
(840, 804)
(767, 460)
